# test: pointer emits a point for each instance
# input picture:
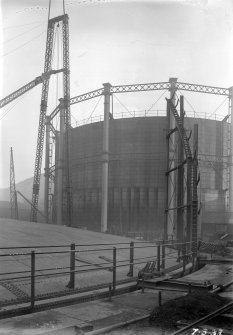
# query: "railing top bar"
(36, 247)
(80, 245)
(32, 248)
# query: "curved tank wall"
(137, 165)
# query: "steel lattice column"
(46, 174)
(67, 192)
(41, 129)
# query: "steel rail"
(208, 317)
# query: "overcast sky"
(121, 42)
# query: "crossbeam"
(87, 96)
(152, 87)
(203, 89)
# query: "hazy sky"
(121, 42)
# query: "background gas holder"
(137, 183)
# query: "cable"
(94, 108)
(11, 39)
(123, 105)
(156, 101)
(218, 106)
(49, 10)
(195, 110)
(64, 7)
(22, 45)
(23, 25)
(10, 108)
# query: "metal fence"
(112, 258)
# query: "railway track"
(212, 323)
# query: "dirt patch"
(186, 309)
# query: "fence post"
(143, 284)
(184, 256)
(163, 255)
(32, 280)
(160, 298)
(72, 266)
(110, 292)
(114, 270)
(131, 259)
(158, 258)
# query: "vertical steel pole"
(163, 255)
(158, 258)
(46, 174)
(194, 197)
(231, 155)
(131, 258)
(32, 280)
(105, 159)
(72, 266)
(166, 214)
(160, 298)
(184, 256)
(114, 270)
(60, 166)
(189, 202)
(172, 183)
(180, 180)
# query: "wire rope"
(64, 7)
(198, 115)
(25, 32)
(11, 107)
(156, 101)
(23, 25)
(123, 105)
(22, 45)
(49, 10)
(94, 108)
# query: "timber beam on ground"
(164, 283)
